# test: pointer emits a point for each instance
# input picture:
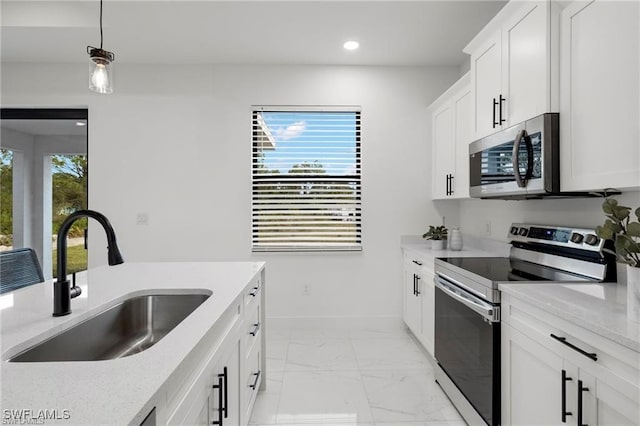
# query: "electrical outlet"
(487, 228)
(305, 290)
(142, 219)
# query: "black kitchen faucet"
(62, 291)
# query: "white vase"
(455, 239)
(437, 244)
(633, 293)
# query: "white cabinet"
(219, 382)
(212, 391)
(254, 361)
(412, 302)
(554, 372)
(451, 135)
(599, 97)
(428, 309)
(419, 296)
(513, 77)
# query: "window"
(306, 179)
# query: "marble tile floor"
(356, 375)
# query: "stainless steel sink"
(125, 329)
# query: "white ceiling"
(430, 33)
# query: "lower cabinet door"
(412, 301)
(428, 310)
(253, 377)
(229, 370)
(531, 382)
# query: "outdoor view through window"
(306, 179)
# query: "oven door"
(467, 347)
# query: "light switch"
(142, 219)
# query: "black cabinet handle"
(501, 100)
(450, 185)
(417, 285)
(414, 284)
(226, 391)
(220, 410)
(255, 330)
(255, 382)
(565, 413)
(495, 104)
(417, 262)
(563, 340)
(580, 390)
(255, 291)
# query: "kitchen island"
(126, 390)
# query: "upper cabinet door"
(525, 63)
(462, 126)
(486, 68)
(599, 98)
(443, 153)
(512, 71)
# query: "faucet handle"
(75, 291)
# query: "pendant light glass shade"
(100, 70)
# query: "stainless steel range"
(467, 306)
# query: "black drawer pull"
(220, 409)
(580, 390)
(417, 263)
(565, 413)
(255, 382)
(563, 340)
(255, 330)
(254, 293)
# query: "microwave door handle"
(514, 159)
(527, 140)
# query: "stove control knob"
(592, 239)
(514, 230)
(577, 238)
(523, 232)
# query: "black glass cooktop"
(504, 269)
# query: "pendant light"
(100, 68)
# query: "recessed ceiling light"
(351, 45)
(80, 123)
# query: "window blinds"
(306, 187)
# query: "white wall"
(582, 212)
(175, 143)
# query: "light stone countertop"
(472, 247)
(120, 391)
(598, 307)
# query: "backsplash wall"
(476, 216)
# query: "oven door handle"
(487, 310)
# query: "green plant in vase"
(625, 233)
(437, 235)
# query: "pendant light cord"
(100, 24)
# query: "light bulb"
(100, 78)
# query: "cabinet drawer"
(185, 381)
(252, 327)
(611, 357)
(253, 292)
(253, 376)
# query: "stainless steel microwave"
(522, 161)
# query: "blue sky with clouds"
(326, 137)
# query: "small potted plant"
(437, 235)
(621, 227)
